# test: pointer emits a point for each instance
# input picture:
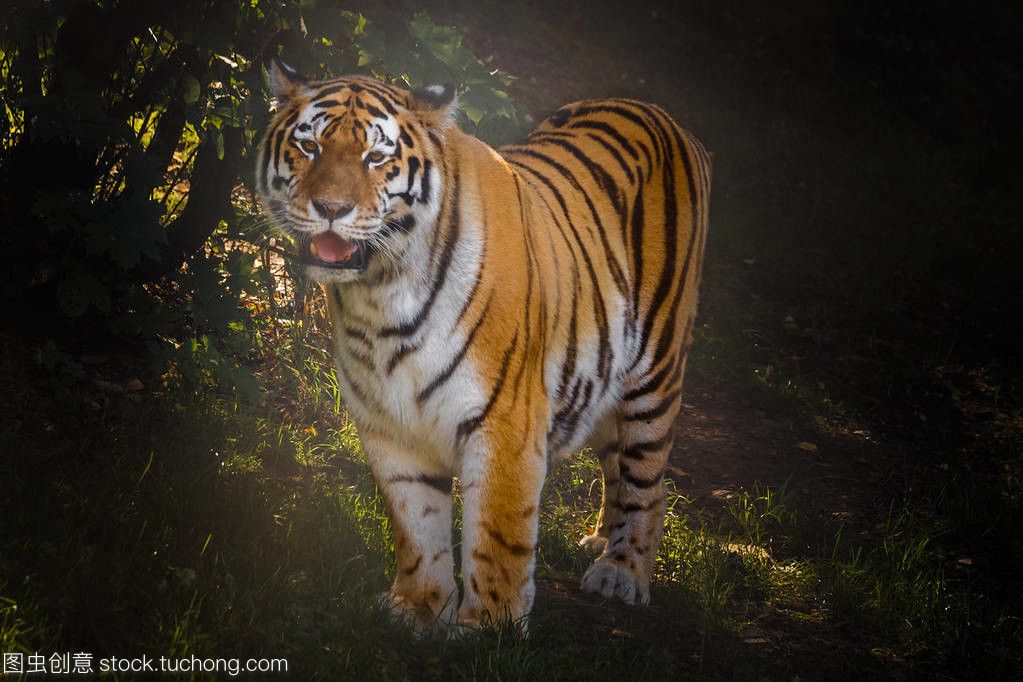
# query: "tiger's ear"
(284, 81)
(435, 104)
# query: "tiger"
(492, 312)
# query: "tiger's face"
(348, 167)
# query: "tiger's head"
(349, 167)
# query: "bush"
(127, 132)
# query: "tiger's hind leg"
(634, 506)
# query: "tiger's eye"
(309, 147)
(375, 157)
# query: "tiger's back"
(494, 309)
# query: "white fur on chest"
(395, 373)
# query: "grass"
(154, 524)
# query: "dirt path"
(726, 445)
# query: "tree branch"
(209, 201)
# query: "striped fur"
(517, 305)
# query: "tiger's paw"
(593, 543)
(611, 578)
(474, 621)
(418, 616)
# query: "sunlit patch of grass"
(568, 511)
(15, 628)
(696, 564)
(896, 587)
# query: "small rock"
(108, 386)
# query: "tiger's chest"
(415, 387)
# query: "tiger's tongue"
(331, 248)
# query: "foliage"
(128, 131)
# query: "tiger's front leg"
(501, 493)
(418, 498)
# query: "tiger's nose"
(332, 209)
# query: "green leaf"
(190, 89)
(80, 290)
(218, 139)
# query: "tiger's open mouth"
(330, 250)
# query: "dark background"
(857, 344)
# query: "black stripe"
(632, 507)
(695, 228)
(638, 212)
(363, 359)
(568, 366)
(642, 483)
(667, 276)
(600, 310)
(655, 412)
(414, 567)
(615, 154)
(442, 378)
(472, 294)
(566, 421)
(610, 130)
(400, 355)
(632, 116)
(601, 177)
(331, 90)
(440, 483)
(275, 157)
(358, 335)
(655, 382)
(381, 91)
(440, 276)
(573, 395)
(668, 343)
(357, 390)
(424, 191)
(515, 548)
(552, 214)
(374, 112)
(467, 426)
(638, 450)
